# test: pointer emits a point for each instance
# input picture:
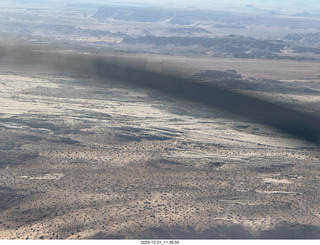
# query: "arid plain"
(84, 157)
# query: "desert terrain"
(85, 158)
(91, 156)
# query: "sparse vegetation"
(84, 156)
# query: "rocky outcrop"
(237, 46)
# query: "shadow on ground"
(286, 231)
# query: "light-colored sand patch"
(277, 181)
(54, 176)
(275, 192)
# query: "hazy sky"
(278, 5)
(206, 3)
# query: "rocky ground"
(85, 158)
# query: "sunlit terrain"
(88, 151)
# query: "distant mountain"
(306, 37)
(237, 46)
(132, 14)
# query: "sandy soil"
(85, 159)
